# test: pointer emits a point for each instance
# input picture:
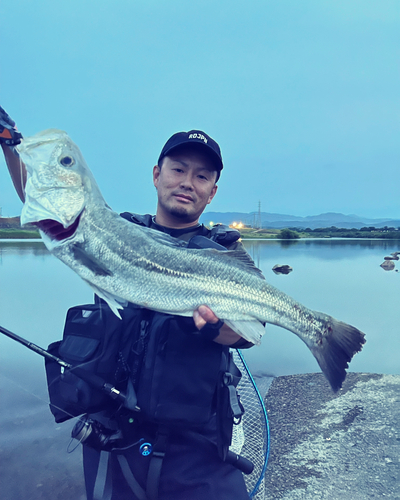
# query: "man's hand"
(9, 134)
(204, 315)
(10, 137)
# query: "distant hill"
(279, 221)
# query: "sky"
(302, 96)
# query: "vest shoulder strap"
(220, 233)
(141, 220)
(223, 234)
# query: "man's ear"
(156, 174)
(213, 193)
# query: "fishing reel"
(94, 434)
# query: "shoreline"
(21, 235)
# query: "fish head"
(58, 183)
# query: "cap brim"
(217, 160)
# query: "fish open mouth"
(55, 230)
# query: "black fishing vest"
(174, 368)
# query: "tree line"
(339, 232)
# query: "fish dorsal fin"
(163, 238)
(244, 258)
(239, 255)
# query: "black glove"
(211, 330)
(9, 134)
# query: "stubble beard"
(179, 212)
(182, 213)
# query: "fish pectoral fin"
(111, 300)
(251, 330)
(90, 262)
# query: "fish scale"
(123, 261)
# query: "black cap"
(194, 137)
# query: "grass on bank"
(263, 234)
(19, 234)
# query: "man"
(179, 460)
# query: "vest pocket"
(179, 375)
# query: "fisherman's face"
(185, 186)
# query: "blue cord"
(266, 423)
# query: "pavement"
(334, 446)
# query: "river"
(340, 277)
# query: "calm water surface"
(340, 277)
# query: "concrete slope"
(334, 446)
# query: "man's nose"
(187, 182)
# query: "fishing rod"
(93, 380)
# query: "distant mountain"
(279, 221)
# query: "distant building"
(10, 223)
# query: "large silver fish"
(123, 261)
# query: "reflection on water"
(326, 243)
(328, 248)
(22, 247)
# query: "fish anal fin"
(111, 300)
(251, 330)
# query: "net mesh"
(250, 437)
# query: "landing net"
(251, 437)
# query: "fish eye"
(67, 161)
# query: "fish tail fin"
(335, 349)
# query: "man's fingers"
(206, 313)
(198, 320)
(203, 315)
